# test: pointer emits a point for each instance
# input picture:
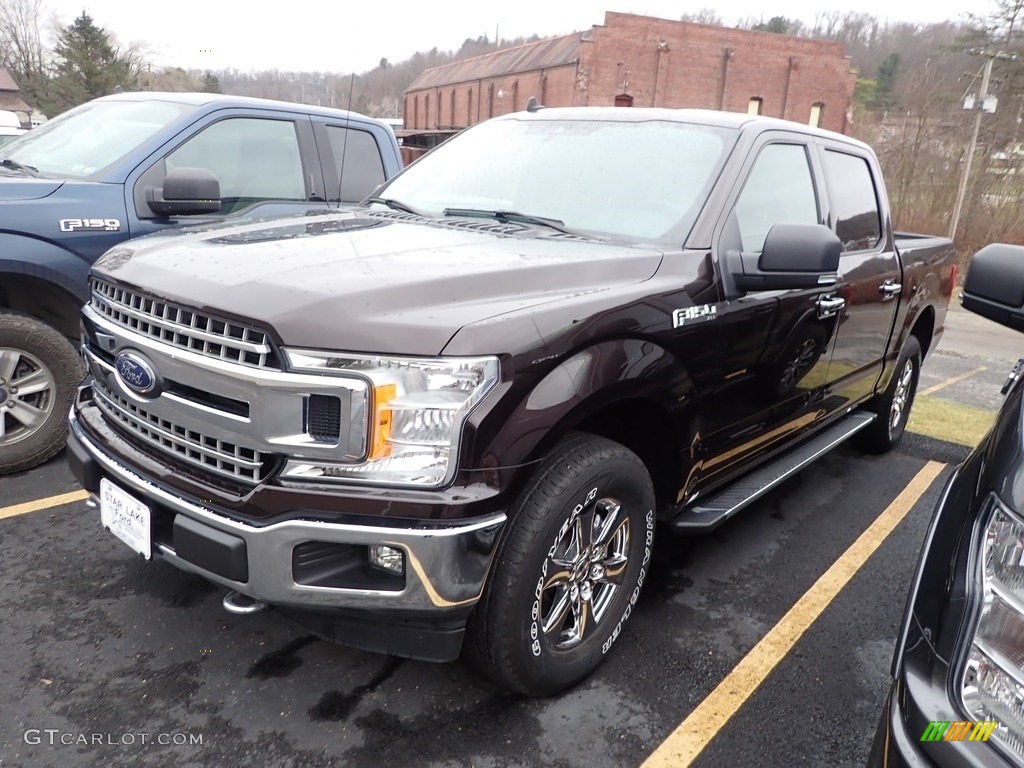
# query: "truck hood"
(372, 282)
(16, 188)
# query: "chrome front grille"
(182, 327)
(224, 458)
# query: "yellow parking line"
(690, 738)
(950, 382)
(40, 504)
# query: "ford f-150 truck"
(452, 419)
(131, 164)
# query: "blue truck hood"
(15, 188)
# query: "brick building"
(640, 61)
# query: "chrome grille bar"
(181, 326)
(213, 455)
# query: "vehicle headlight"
(992, 683)
(417, 408)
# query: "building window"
(623, 100)
(415, 111)
(469, 108)
(817, 113)
(426, 111)
(451, 108)
(755, 105)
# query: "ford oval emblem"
(136, 373)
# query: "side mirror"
(793, 256)
(186, 191)
(994, 286)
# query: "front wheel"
(569, 568)
(39, 371)
(893, 406)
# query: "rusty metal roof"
(550, 52)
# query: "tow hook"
(239, 604)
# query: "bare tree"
(21, 46)
(704, 16)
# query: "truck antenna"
(344, 141)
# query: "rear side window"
(363, 169)
(779, 190)
(853, 201)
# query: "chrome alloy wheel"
(901, 397)
(27, 395)
(586, 567)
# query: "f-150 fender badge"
(90, 225)
(693, 315)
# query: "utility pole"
(981, 105)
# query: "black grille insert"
(323, 418)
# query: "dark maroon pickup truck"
(452, 419)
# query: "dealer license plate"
(126, 517)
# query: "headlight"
(992, 685)
(417, 410)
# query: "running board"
(703, 515)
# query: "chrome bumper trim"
(447, 566)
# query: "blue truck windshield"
(85, 140)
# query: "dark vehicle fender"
(921, 318)
(43, 279)
(630, 390)
(928, 276)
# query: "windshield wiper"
(15, 165)
(396, 205)
(506, 216)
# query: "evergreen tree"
(88, 65)
(885, 83)
(778, 25)
(211, 84)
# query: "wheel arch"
(43, 280)
(42, 299)
(632, 391)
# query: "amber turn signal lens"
(379, 445)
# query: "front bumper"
(898, 744)
(288, 564)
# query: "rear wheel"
(39, 372)
(893, 406)
(568, 570)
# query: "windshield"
(85, 140)
(641, 181)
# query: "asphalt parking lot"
(765, 643)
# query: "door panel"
(775, 349)
(870, 284)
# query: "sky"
(353, 35)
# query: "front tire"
(893, 406)
(569, 568)
(39, 372)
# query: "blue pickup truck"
(133, 164)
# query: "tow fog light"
(992, 685)
(387, 559)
